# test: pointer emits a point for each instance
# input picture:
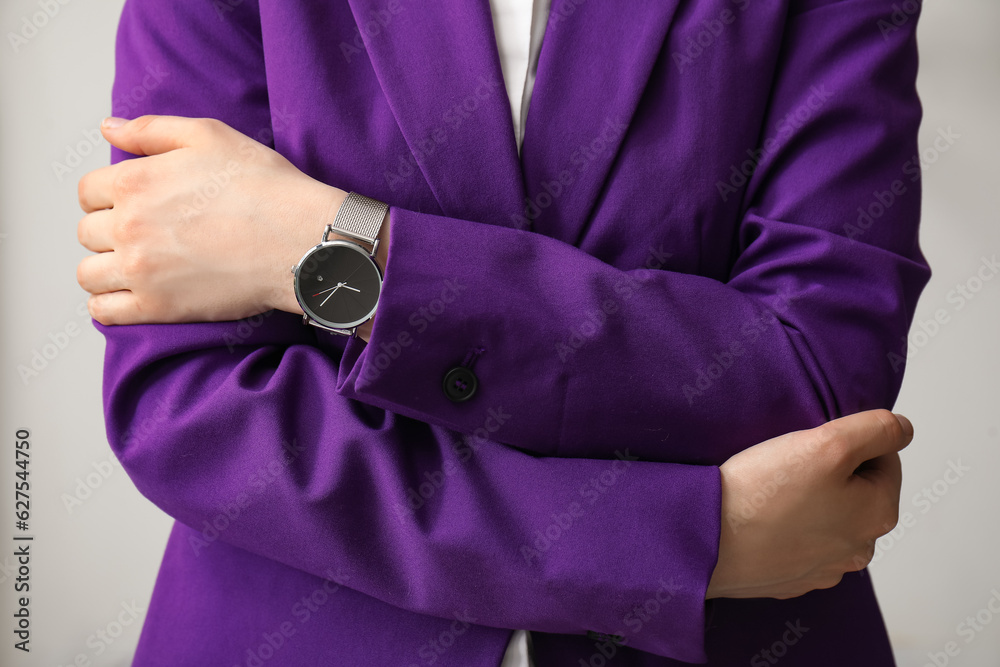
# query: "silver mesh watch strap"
(360, 217)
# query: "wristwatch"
(337, 282)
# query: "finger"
(877, 487)
(94, 231)
(101, 273)
(120, 307)
(887, 466)
(868, 435)
(152, 135)
(907, 426)
(95, 188)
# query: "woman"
(706, 241)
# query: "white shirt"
(519, 26)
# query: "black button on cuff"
(460, 384)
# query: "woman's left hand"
(205, 229)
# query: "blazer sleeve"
(238, 430)
(810, 325)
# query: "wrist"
(321, 206)
(730, 521)
(320, 203)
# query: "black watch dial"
(338, 284)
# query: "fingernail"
(905, 423)
(111, 122)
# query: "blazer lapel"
(593, 67)
(438, 66)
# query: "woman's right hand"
(801, 509)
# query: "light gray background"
(104, 553)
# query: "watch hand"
(351, 288)
(326, 290)
(330, 294)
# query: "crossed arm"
(152, 267)
(178, 259)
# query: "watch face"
(338, 284)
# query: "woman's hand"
(800, 510)
(206, 228)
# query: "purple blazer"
(710, 239)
